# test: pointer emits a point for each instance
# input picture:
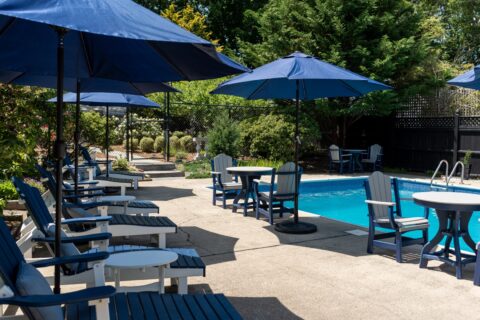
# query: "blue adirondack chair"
(225, 185)
(32, 293)
(336, 158)
(138, 206)
(272, 201)
(82, 167)
(188, 258)
(385, 212)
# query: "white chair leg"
(182, 285)
(162, 240)
(101, 308)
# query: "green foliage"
(134, 143)
(467, 158)
(23, 118)
(186, 142)
(121, 165)
(7, 190)
(36, 184)
(261, 163)
(159, 143)
(178, 134)
(180, 155)
(92, 126)
(271, 136)
(146, 144)
(224, 137)
(174, 143)
(197, 169)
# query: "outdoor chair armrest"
(89, 294)
(381, 203)
(258, 181)
(85, 189)
(216, 173)
(349, 155)
(87, 182)
(86, 238)
(79, 196)
(88, 257)
(92, 220)
(100, 162)
(88, 205)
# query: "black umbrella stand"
(76, 135)
(59, 152)
(107, 138)
(296, 226)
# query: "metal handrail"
(436, 171)
(455, 170)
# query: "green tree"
(393, 41)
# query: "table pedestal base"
(452, 226)
(295, 228)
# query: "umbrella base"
(295, 228)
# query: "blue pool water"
(343, 200)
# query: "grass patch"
(198, 169)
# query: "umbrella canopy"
(469, 79)
(301, 77)
(316, 79)
(111, 99)
(118, 40)
(102, 40)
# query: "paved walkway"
(326, 275)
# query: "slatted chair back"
(220, 164)
(375, 151)
(34, 204)
(10, 262)
(68, 162)
(286, 179)
(334, 152)
(379, 188)
(88, 158)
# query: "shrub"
(178, 134)
(92, 126)
(146, 144)
(223, 137)
(134, 143)
(175, 143)
(7, 190)
(159, 144)
(271, 136)
(467, 158)
(180, 155)
(36, 184)
(186, 142)
(120, 165)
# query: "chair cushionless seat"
(144, 204)
(231, 186)
(151, 305)
(275, 196)
(413, 223)
(141, 221)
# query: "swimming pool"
(344, 200)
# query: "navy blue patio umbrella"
(469, 79)
(107, 99)
(117, 40)
(301, 77)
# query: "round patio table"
(454, 210)
(247, 175)
(356, 153)
(141, 259)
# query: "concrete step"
(151, 165)
(164, 173)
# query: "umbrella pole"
(127, 135)
(107, 133)
(295, 226)
(59, 152)
(76, 136)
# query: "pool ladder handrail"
(454, 170)
(436, 171)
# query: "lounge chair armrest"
(79, 196)
(86, 189)
(87, 220)
(349, 155)
(89, 294)
(88, 257)
(258, 181)
(88, 182)
(380, 203)
(87, 205)
(215, 173)
(86, 238)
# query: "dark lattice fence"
(430, 128)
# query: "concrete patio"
(325, 275)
